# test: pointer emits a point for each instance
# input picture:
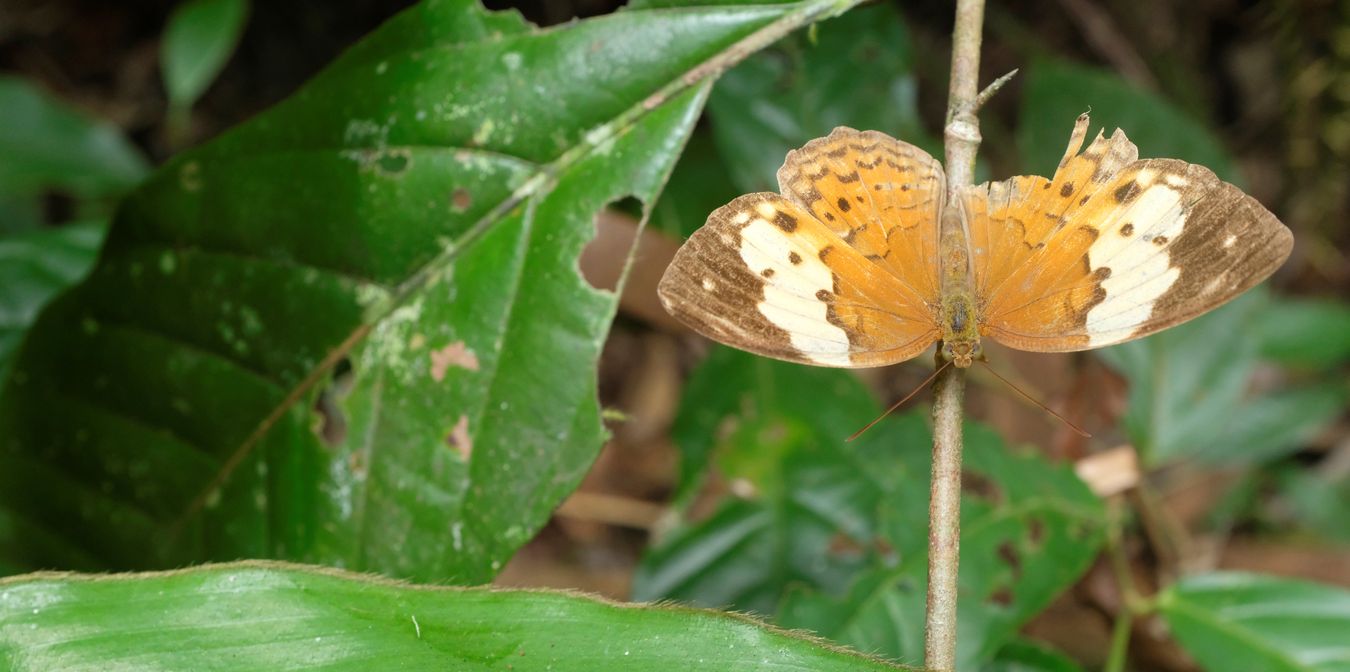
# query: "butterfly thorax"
(960, 329)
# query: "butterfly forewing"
(766, 276)
(881, 195)
(1114, 249)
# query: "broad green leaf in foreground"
(45, 144)
(198, 41)
(34, 266)
(1057, 92)
(832, 536)
(407, 226)
(1236, 621)
(260, 616)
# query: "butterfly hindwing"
(766, 276)
(1114, 248)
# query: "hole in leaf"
(1035, 532)
(332, 421)
(393, 163)
(1009, 555)
(1003, 596)
(605, 256)
(981, 487)
(844, 546)
(458, 438)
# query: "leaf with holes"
(1237, 621)
(1028, 531)
(352, 330)
(272, 616)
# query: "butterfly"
(863, 260)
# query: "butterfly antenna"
(900, 403)
(1033, 400)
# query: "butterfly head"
(962, 353)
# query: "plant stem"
(962, 139)
(1129, 596)
(944, 519)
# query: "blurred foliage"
(1189, 393)
(199, 38)
(1057, 92)
(46, 146)
(1231, 621)
(829, 536)
(34, 266)
(1025, 656)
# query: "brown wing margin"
(764, 275)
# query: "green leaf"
(34, 266)
(1236, 621)
(1318, 501)
(271, 616)
(856, 73)
(1188, 391)
(198, 40)
(1314, 334)
(1021, 655)
(1028, 531)
(734, 399)
(359, 335)
(1058, 91)
(811, 491)
(1187, 382)
(44, 144)
(699, 185)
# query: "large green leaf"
(856, 71)
(832, 535)
(34, 266)
(699, 184)
(1188, 391)
(197, 42)
(407, 225)
(1057, 92)
(1234, 621)
(45, 144)
(262, 616)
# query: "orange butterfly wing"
(840, 270)
(1113, 248)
